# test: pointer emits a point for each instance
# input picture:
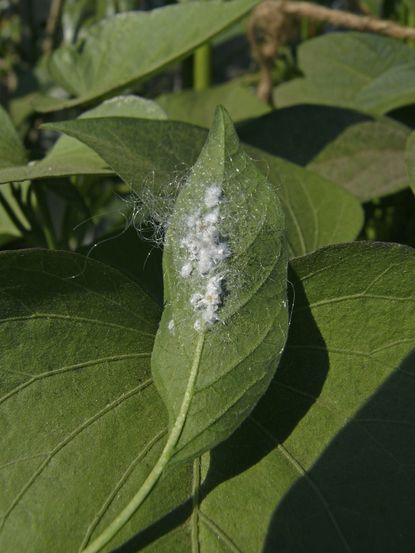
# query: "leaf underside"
(323, 463)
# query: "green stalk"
(202, 67)
(46, 220)
(162, 462)
(12, 216)
(304, 28)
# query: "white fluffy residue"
(205, 252)
(212, 195)
(186, 270)
(171, 326)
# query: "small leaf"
(152, 157)
(362, 71)
(210, 378)
(129, 44)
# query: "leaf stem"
(202, 67)
(165, 456)
(12, 216)
(46, 220)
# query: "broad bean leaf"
(126, 48)
(198, 108)
(70, 157)
(323, 463)
(362, 71)
(345, 146)
(153, 157)
(212, 377)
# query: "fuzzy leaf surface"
(323, 462)
(129, 45)
(154, 156)
(232, 362)
(362, 71)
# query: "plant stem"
(305, 28)
(202, 67)
(12, 216)
(46, 220)
(162, 462)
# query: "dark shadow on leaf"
(160, 528)
(138, 259)
(298, 133)
(360, 494)
(295, 387)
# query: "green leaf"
(323, 463)
(362, 71)
(129, 45)
(152, 157)
(354, 159)
(410, 159)
(317, 211)
(138, 259)
(198, 107)
(80, 418)
(211, 378)
(70, 157)
(12, 151)
(345, 146)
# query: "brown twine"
(273, 22)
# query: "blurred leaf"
(12, 151)
(153, 157)
(345, 146)
(125, 48)
(410, 159)
(368, 159)
(362, 71)
(198, 107)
